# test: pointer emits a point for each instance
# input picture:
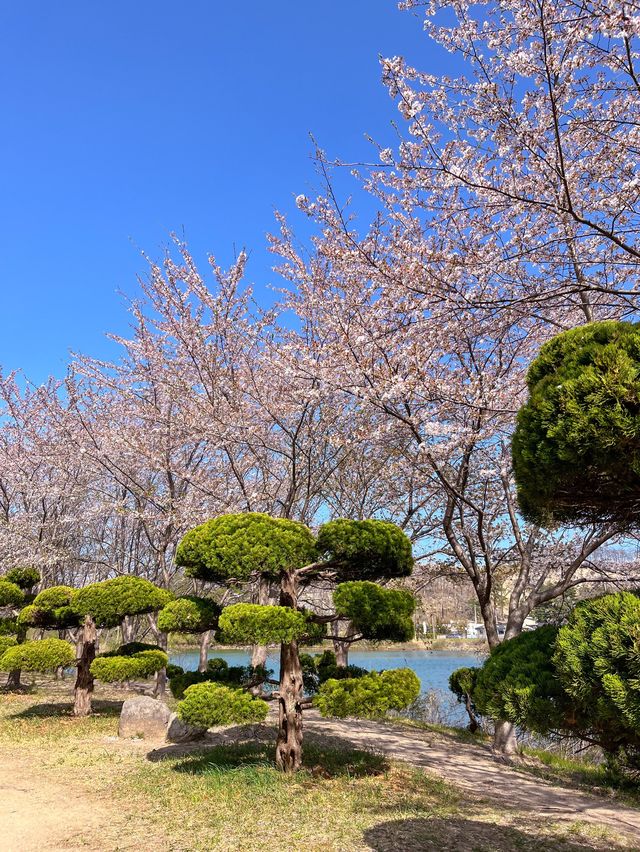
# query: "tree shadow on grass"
(317, 762)
(52, 709)
(453, 835)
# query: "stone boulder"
(144, 717)
(179, 732)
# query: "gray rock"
(179, 732)
(144, 717)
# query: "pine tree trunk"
(504, 739)
(289, 742)
(205, 640)
(84, 678)
(340, 647)
(13, 681)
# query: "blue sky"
(123, 121)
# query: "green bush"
(7, 642)
(174, 671)
(369, 696)
(39, 656)
(576, 447)
(189, 614)
(10, 594)
(24, 578)
(239, 545)
(597, 660)
(462, 682)
(208, 704)
(264, 625)
(109, 601)
(518, 683)
(130, 648)
(9, 626)
(218, 670)
(376, 613)
(140, 666)
(369, 549)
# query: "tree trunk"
(289, 742)
(205, 639)
(13, 681)
(340, 647)
(128, 629)
(160, 685)
(259, 652)
(84, 678)
(504, 739)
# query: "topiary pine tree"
(192, 614)
(240, 548)
(597, 661)
(107, 604)
(16, 590)
(576, 447)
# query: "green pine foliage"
(24, 578)
(318, 668)
(366, 549)
(38, 656)
(50, 609)
(376, 613)
(370, 696)
(10, 594)
(597, 658)
(576, 447)
(462, 682)
(208, 704)
(7, 642)
(218, 671)
(117, 669)
(238, 546)
(265, 625)
(110, 601)
(54, 597)
(518, 683)
(190, 614)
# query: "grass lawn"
(231, 798)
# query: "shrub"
(369, 696)
(7, 642)
(518, 683)
(208, 704)
(597, 659)
(239, 545)
(376, 613)
(366, 549)
(116, 669)
(462, 682)
(109, 601)
(189, 615)
(130, 648)
(39, 656)
(576, 447)
(173, 670)
(246, 623)
(24, 578)
(10, 594)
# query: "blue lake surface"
(432, 667)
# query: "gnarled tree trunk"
(504, 739)
(13, 681)
(289, 742)
(84, 678)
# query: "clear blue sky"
(123, 121)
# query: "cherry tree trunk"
(259, 652)
(289, 742)
(160, 685)
(340, 647)
(205, 640)
(84, 678)
(128, 629)
(504, 739)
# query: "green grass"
(582, 772)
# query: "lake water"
(432, 667)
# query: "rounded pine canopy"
(576, 447)
(109, 601)
(365, 550)
(238, 546)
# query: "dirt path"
(474, 769)
(37, 815)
